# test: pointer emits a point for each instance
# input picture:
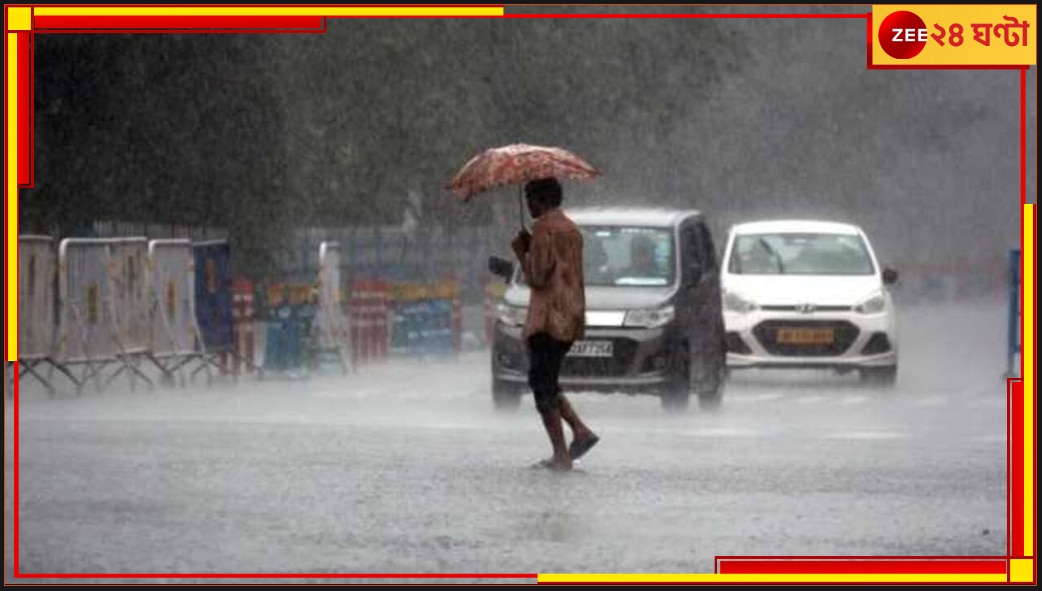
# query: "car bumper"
(639, 362)
(859, 340)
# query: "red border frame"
(947, 565)
(42, 24)
(306, 25)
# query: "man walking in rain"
(551, 258)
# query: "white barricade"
(128, 260)
(103, 316)
(86, 328)
(37, 269)
(331, 323)
(175, 334)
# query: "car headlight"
(649, 318)
(736, 303)
(874, 304)
(511, 315)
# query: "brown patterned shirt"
(553, 269)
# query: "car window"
(626, 256)
(800, 254)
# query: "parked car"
(808, 294)
(654, 321)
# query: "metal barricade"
(176, 340)
(130, 289)
(97, 278)
(37, 300)
(1014, 333)
(217, 308)
(86, 330)
(330, 328)
(426, 319)
(291, 343)
(243, 317)
(369, 307)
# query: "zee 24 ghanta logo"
(903, 34)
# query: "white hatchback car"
(808, 294)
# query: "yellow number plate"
(805, 336)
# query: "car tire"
(885, 377)
(677, 396)
(506, 397)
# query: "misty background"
(261, 136)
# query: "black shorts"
(545, 355)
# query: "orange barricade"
(368, 313)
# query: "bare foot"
(556, 464)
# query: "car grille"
(623, 351)
(844, 334)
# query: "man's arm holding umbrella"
(535, 252)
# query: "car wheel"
(677, 396)
(884, 377)
(506, 397)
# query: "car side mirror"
(501, 267)
(889, 276)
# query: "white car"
(808, 294)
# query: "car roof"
(795, 226)
(663, 217)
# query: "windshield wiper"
(777, 258)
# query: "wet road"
(405, 468)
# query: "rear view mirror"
(889, 276)
(501, 267)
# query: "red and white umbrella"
(517, 164)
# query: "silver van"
(654, 321)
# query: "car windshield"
(800, 254)
(625, 256)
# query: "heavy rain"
(345, 427)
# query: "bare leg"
(562, 460)
(583, 439)
(579, 429)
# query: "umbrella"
(517, 164)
